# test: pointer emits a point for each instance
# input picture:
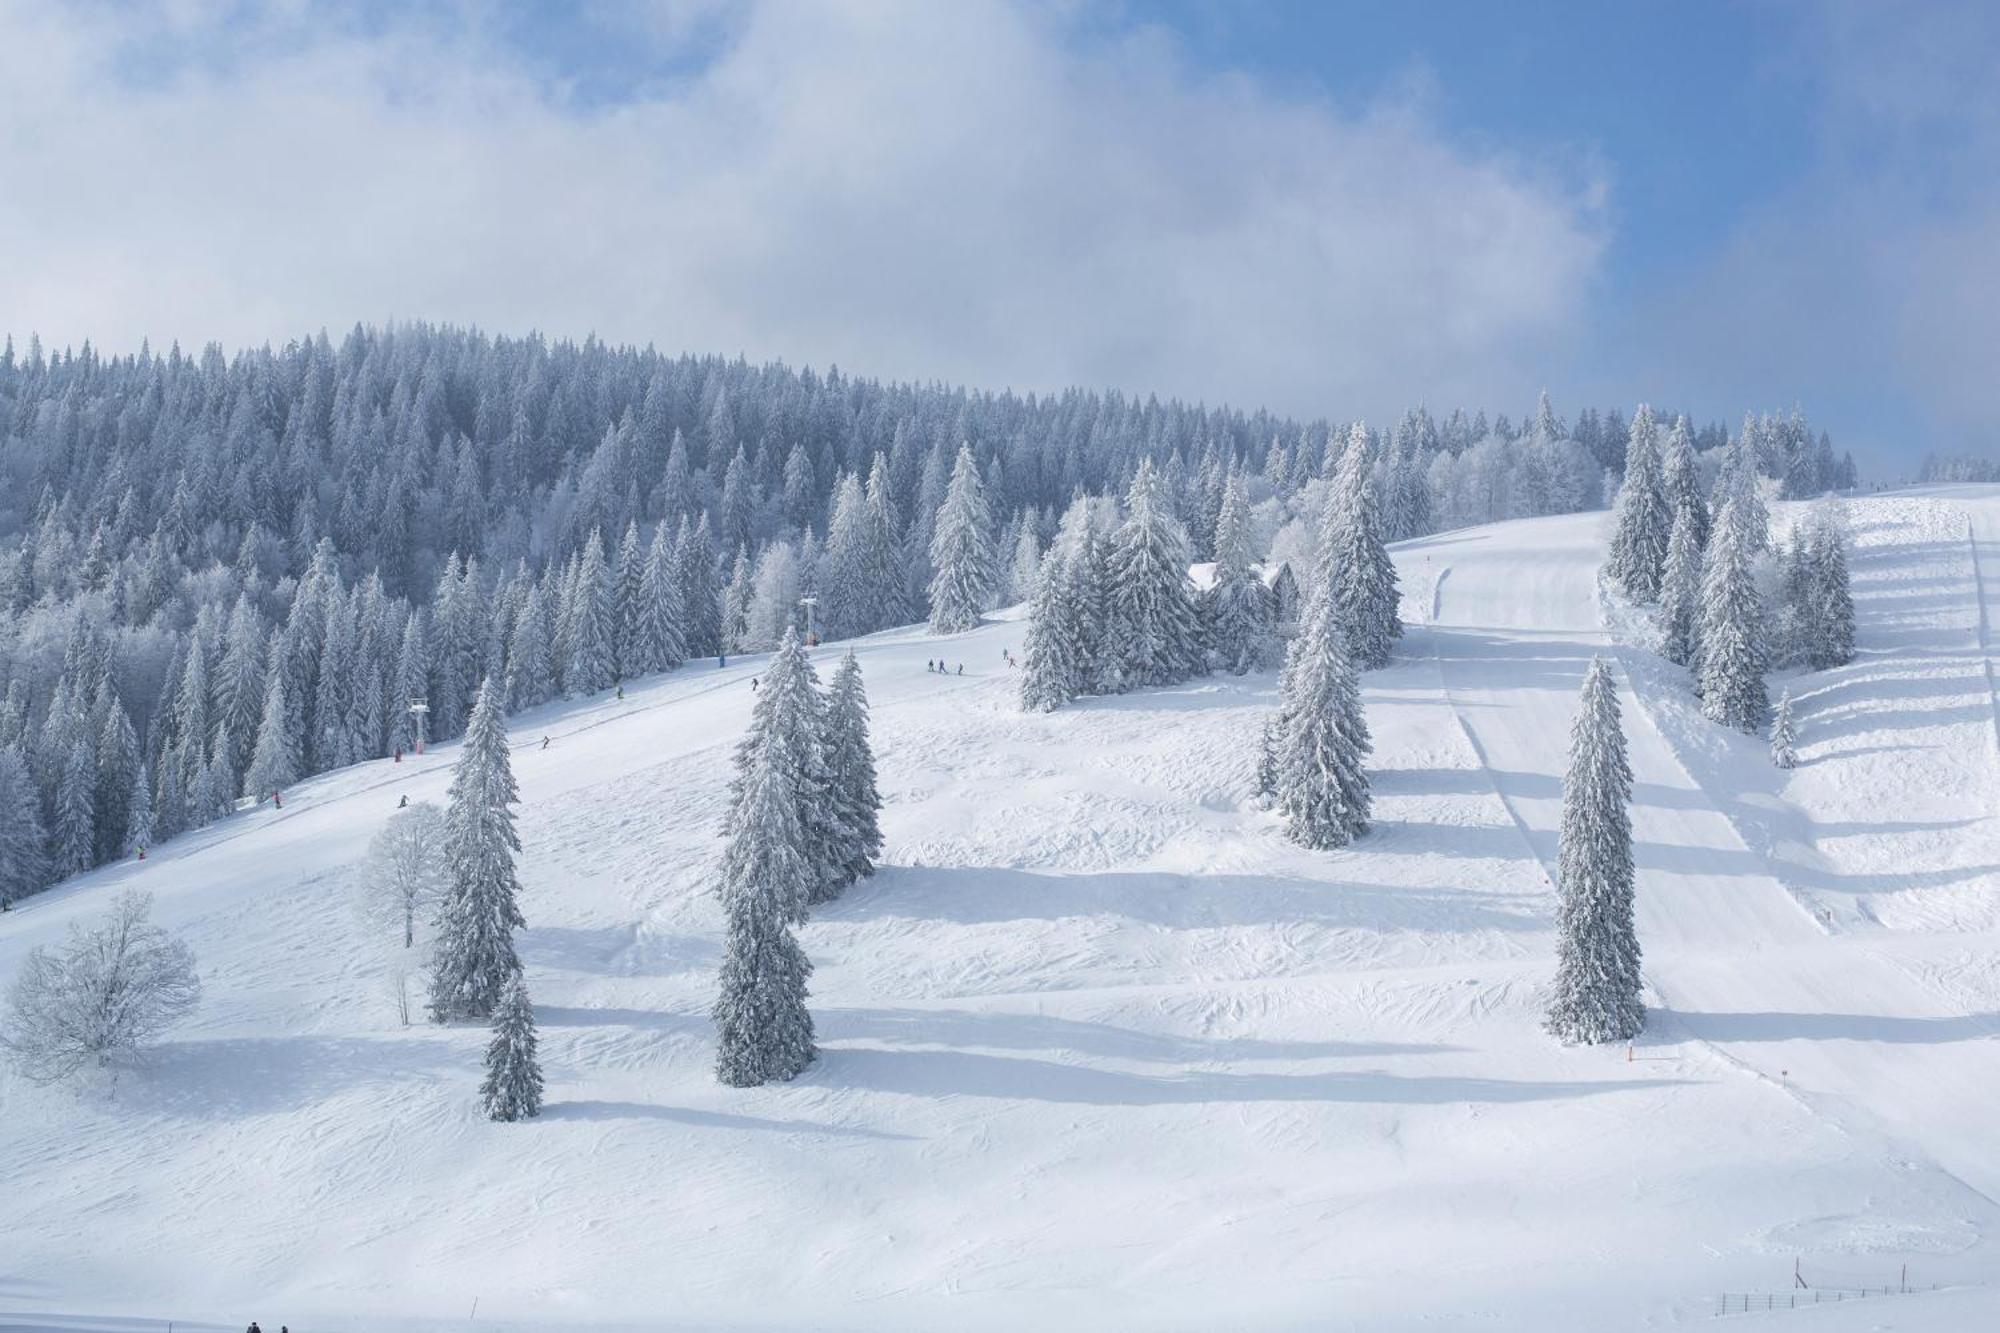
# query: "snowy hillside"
(1100, 1048)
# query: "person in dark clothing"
(961, 668)
(545, 742)
(404, 802)
(253, 1328)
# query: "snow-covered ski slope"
(1100, 1049)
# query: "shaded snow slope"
(1100, 1048)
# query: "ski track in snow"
(1100, 1048)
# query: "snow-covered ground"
(1100, 1049)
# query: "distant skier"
(253, 1328)
(545, 742)
(399, 754)
(278, 800)
(753, 684)
(621, 689)
(403, 802)
(961, 668)
(721, 661)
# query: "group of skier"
(941, 669)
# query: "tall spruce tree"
(1239, 611)
(662, 616)
(591, 664)
(961, 550)
(1734, 655)
(852, 793)
(1682, 480)
(1152, 627)
(1829, 601)
(1645, 520)
(764, 1032)
(1354, 563)
(1318, 741)
(274, 764)
(474, 962)
(1679, 616)
(1596, 995)
(512, 1089)
(23, 847)
(789, 701)
(1055, 664)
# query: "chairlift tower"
(812, 639)
(418, 711)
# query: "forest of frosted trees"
(219, 575)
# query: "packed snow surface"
(1099, 1048)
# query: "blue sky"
(1329, 208)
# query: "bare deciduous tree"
(108, 991)
(404, 875)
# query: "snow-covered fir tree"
(1679, 616)
(23, 849)
(789, 703)
(764, 1033)
(512, 1089)
(590, 662)
(1025, 566)
(632, 650)
(961, 550)
(1596, 993)
(1828, 602)
(474, 961)
(850, 771)
(1682, 480)
(274, 764)
(1316, 745)
(1645, 519)
(1055, 663)
(1239, 611)
(1355, 564)
(1733, 654)
(662, 616)
(1784, 735)
(1152, 627)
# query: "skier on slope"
(545, 742)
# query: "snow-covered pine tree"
(1679, 616)
(73, 831)
(474, 962)
(1828, 599)
(591, 665)
(736, 603)
(882, 572)
(1355, 564)
(633, 647)
(1152, 628)
(1733, 652)
(412, 683)
(1055, 667)
(1319, 738)
(512, 1089)
(530, 678)
(1596, 996)
(1024, 568)
(1682, 480)
(850, 772)
(1645, 520)
(764, 1032)
(662, 617)
(843, 593)
(694, 571)
(961, 550)
(789, 702)
(23, 847)
(274, 764)
(1238, 605)
(1784, 736)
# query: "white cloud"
(970, 191)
